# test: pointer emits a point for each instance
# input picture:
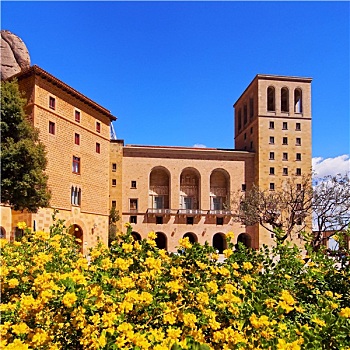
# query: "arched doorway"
(161, 241)
(2, 232)
(219, 242)
(136, 236)
(245, 239)
(191, 237)
(77, 232)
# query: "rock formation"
(14, 54)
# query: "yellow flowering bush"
(136, 296)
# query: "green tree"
(113, 218)
(23, 156)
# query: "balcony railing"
(160, 211)
(191, 212)
(220, 212)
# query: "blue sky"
(171, 71)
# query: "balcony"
(153, 211)
(191, 212)
(219, 212)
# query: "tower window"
(272, 155)
(98, 127)
(285, 171)
(251, 130)
(271, 125)
(245, 114)
(75, 196)
(272, 171)
(77, 116)
(297, 126)
(298, 106)
(114, 182)
(76, 165)
(251, 108)
(271, 99)
(285, 140)
(114, 204)
(52, 128)
(133, 204)
(285, 156)
(298, 141)
(133, 184)
(52, 102)
(272, 186)
(114, 167)
(284, 100)
(298, 171)
(98, 148)
(298, 156)
(239, 119)
(245, 135)
(77, 139)
(272, 140)
(284, 125)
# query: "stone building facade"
(174, 191)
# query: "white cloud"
(331, 166)
(199, 145)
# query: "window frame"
(272, 140)
(114, 182)
(76, 165)
(77, 139)
(52, 128)
(114, 167)
(98, 148)
(98, 127)
(52, 102)
(77, 115)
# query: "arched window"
(298, 103)
(161, 241)
(159, 185)
(219, 242)
(189, 190)
(191, 236)
(2, 232)
(284, 100)
(219, 190)
(271, 99)
(245, 239)
(77, 232)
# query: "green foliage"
(136, 296)
(112, 229)
(23, 157)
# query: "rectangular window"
(77, 139)
(272, 140)
(76, 165)
(52, 102)
(285, 156)
(98, 148)
(285, 171)
(219, 221)
(251, 130)
(245, 135)
(284, 125)
(272, 155)
(158, 202)
(189, 220)
(244, 187)
(133, 219)
(133, 204)
(114, 204)
(271, 125)
(239, 120)
(52, 128)
(298, 141)
(245, 114)
(188, 203)
(114, 182)
(272, 171)
(298, 172)
(298, 156)
(159, 220)
(285, 140)
(298, 187)
(77, 116)
(114, 167)
(133, 184)
(298, 126)
(272, 186)
(251, 144)
(75, 196)
(98, 127)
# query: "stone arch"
(162, 241)
(76, 231)
(245, 239)
(298, 100)
(190, 180)
(219, 242)
(219, 189)
(284, 99)
(271, 104)
(2, 232)
(159, 188)
(191, 236)
(136, 236)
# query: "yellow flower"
(247, 265)
(174, 333)
(319, 322)
(345, 312)
(127, 247)
(189, 319)
(185, 243)
(152, 235)
(230, 235)
(228, 253)
(69, 299)
(21, 225)
(20, 328)
(17, 345)
(13, 283)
